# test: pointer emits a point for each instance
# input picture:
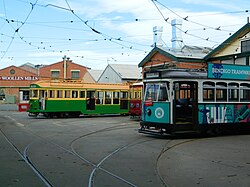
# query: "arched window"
(221, 91)
(233, 92)
(244, 92)
(208, 91)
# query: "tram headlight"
(149, 112)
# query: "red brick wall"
(20, 78)
(45, 72)
(159, 58)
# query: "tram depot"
(234, 53)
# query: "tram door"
(185, 104)
(90, 100)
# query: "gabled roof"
(95, 73)
(240, 33)
(21, 71)
(127, 71)
(187, 53)
(28, 64)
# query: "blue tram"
(186, 100)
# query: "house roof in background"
(127, 71)
(95, 73)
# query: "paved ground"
(108, 151)
(8, 107)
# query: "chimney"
(158, 42)
(64, 67)
(177, 42)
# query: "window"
(67, 93)
(82, 94)
(99, 97)
(163, 94)
(208, 91)
(221, 91)
(59, 94)
(233, 92)
(74, 94)
(34, 93)
(108, 96)
(240, 61)
(245, 92)
(51, 93)
(151, 92)
(75, 74)
(245, 46)
(116, 97)
(55, 73)
(139, 95)
(124, 95)
(26, 95)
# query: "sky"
(94, 33)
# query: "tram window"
(245, 92)
(131, 95)
(51, 93)
(90, 94)
(208, 91)
(108, 96)
(221, 91)
(116, 97)
(139, 95)
(151, 92)
(42, 94)
(82, 94)
(99, 97)
(59, 94)
(34, 93)
(233, 92)
(163, 96)
(67, 93)
(124, 95)
(74, 94)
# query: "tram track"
(97, 166)
(167, 148)
(28, 160)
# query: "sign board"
(228, 71)
(18, 78)
(153, 75)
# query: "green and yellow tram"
(71, 98)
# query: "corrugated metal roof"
(95, 73)
(127, 71)
(189, 52)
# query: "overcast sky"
(94, 33)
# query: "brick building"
(234, 50)
(15, 81)
(14, 84)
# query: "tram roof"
(78, 84)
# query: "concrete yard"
(108, 151)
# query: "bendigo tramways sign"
(227, 71)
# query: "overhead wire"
(185, 32)
(18, 28)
